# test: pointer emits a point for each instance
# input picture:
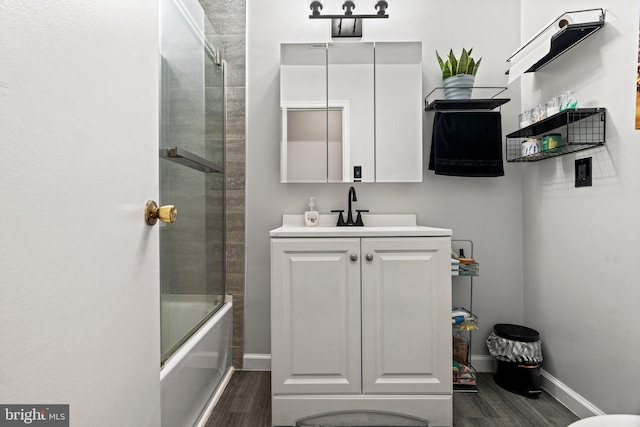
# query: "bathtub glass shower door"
(192, 117)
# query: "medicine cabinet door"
(399, 110)
(304, 114)
(351, 87)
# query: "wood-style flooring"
(247, 403)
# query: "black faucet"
(350, 222)
(351, 197)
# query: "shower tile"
(234, 54)
(235, 216)
(236, 112)
(237, 357)
(238, 318)
(235, 283)
(235, 230)
(235, 257)
(237, 182)
(235, 141)
(226, 16)
(235, 167)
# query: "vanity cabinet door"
(406, 326)
(315, 312)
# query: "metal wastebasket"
(518, 353)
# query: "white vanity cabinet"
(361, 327)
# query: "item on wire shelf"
(553, 107)
(455, 267)
(530, 146)
(551, 142)
(568, 100)
(463, 374)
(463, 259)
(463, 319)
(468, 269)
(460, 346)
(459, 316)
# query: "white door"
(315, 313)
(406, 306)
(79, 137)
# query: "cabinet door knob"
(369, 257)
(354, 257)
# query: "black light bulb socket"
(348, 7)
(381, 7)
(316, 7)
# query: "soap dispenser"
(311, 217)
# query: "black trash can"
(517, 350)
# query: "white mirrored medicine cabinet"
(351, 112)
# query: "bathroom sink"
(376, 225)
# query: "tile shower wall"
(228, 19)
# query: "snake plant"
(464, 65)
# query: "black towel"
(467, 143)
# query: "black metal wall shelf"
(565, 39)
(465, 104)
(483, 103)
(581, 129)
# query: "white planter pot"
(459, 86)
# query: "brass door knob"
(153, 213)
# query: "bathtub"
(193, 378)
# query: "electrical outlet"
(357, 173)
(583, 172)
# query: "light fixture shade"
(315, 6)
(381, 6)
(347, 6)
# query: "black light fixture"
(349, 24)
(315, 7)
(348, 7)
(381, 6)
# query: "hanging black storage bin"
(518, 353)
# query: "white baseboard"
(569, 398)
(256, 362)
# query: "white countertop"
(375, 225)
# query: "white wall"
(79, 267)
(487, 210)
(580, 287)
